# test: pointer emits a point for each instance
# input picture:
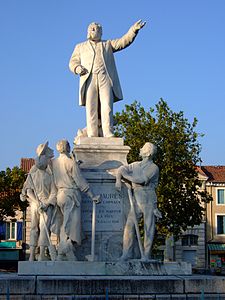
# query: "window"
(220, 196)
(189, 240)
(11, 230)
(220, 224)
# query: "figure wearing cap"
(40, 184)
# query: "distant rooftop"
(214, 173)
(26, 164)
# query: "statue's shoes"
(43, 258)
(109, 135)
(60, 257)
(124, 257)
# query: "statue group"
(54, 186)
(53, 189)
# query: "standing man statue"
(94, 61)
(70, 183)
(40, 191)
(143, 177)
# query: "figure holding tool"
(142, 178)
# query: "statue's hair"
(90, 27)
(62, 145)
(152, 149)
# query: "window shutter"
(2, 230)
(223, 224)
(19, 231)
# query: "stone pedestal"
(129, 268)
(101, 158)
(101, 153)
(112, 287)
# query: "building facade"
(215, 218)
(204, 245)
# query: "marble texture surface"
(100, 164)
(101, 153)
(131, 268)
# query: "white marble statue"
(40, 191)
(143, 178)
(70, 183)
(93, 61)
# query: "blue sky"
(179, 55)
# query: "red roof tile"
(214, 173)
(200, 171)
(26, 164)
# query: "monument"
(93, 61)
(90, 198)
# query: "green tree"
(177, 157)
(11, 183)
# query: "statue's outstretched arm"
(128, 38)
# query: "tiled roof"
(214, 173)
(200, 171)
(26, 164)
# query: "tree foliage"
(177, 157)
(11, 183)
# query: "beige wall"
(213, 209)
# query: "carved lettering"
(108, 212)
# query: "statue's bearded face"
(94, 32)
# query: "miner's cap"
(41, 148)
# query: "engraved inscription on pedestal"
(110, 219)
(109, 211)
(101, 158)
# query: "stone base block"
(101, 153)
(101, 158)
(130, 268)
(178, 268)
(14, 284)
(85, 287)
(83, 140)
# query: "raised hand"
(138, 25)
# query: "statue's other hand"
(96, 199)
(138, 25)
(43, 207)
(118, 186)
(157, 213)
(84, 72)
(80, 70)
(23, 197)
